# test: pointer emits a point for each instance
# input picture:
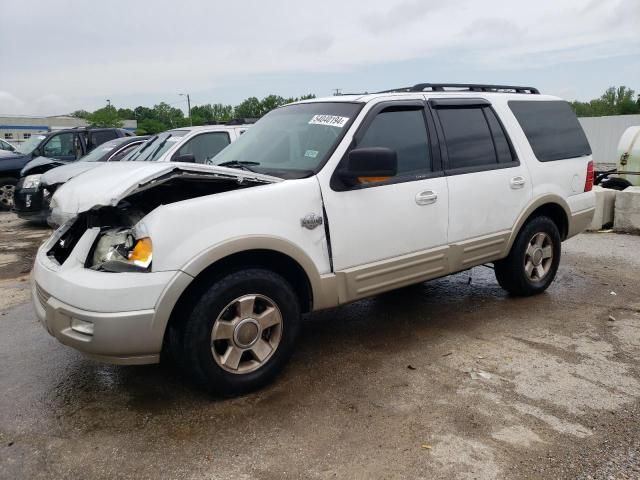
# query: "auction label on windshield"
(329, 120)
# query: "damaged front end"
(121, 242)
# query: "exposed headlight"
(31, 181)
(122, 250)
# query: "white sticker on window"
(311, 153)
(329, 120)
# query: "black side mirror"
(36, 152)
(185, 157)
(369, 164)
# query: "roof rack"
(469, 87)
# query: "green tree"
(170, 116)
(126, 114)
(81, 114)
(150, 126)
(105, 117)
(614, 101)
(250, 108)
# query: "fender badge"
(311, 221)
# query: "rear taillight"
(588, 183)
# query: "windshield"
(102, 152)
(28, 146)
(292, 141)
(152, 149)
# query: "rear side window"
(467, 136)
(405, 132)
(552, 129)
(98, 138)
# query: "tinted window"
(405, 132)
(205, 146)
(125, 151)
(551, 128)
(101, 153)
(98, 138)
(503, 149)
(467, 137)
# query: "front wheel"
(533, 260)
(240, 332)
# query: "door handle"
(426, 198)
(517, 182)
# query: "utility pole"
(188, 106)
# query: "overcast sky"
(60, 55)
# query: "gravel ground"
(447, 379)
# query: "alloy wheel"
(246, 333)
(538, 257)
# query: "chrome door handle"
(426, 198)
(517, 182)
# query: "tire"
(519, 273)
(224, 312)
(615, 183)
(7, 187)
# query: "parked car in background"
(188, 144)
(64, 145)
(329, 201)
(33, 191)
(6, 146)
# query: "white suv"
(328, 201)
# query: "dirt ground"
(447, 379)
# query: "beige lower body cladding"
(627, 211)
(605, 206)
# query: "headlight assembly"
(122, 250)
(31, 181)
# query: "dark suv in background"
(63, 145)
(34, 190)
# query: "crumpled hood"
(36, 163)
(109, 183)
(66, 172)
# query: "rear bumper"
(579, 221)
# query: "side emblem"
(311, 221)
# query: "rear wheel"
(7, 189)
(240, 332)
(533, 260)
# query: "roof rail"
(469, 87)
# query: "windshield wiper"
(239, 164)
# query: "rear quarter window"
(552, 129)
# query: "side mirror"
(185, 157)
(373, 164)
(36, 152)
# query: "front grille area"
(67, 242)
(43, 296)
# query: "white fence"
(604, 134)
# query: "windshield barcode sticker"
(329, 120)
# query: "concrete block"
(627, 211)
(605, 205)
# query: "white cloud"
(158, 46)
